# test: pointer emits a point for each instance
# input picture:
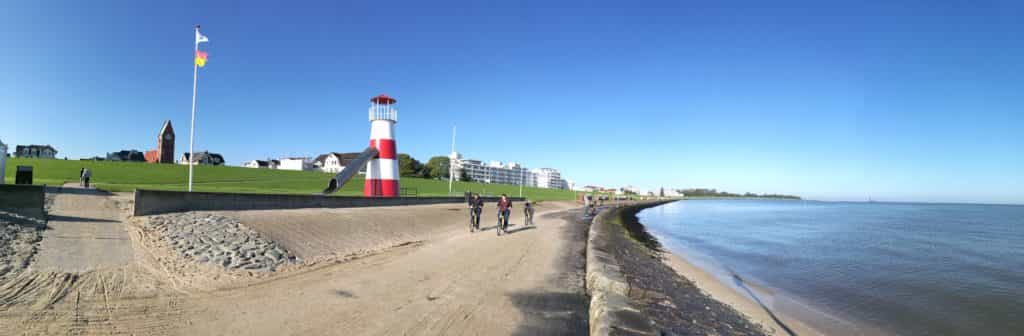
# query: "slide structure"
(350, 170)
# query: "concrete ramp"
(350, 170)
(84, 233)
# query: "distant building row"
(331, 163)
(506, 173)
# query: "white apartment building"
(505, 173)
(548, 178)
(299, 163)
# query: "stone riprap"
(18, 238)
(220, 241)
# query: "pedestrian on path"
(81, 177)
(86, 174)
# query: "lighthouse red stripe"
(385, 148)
(380, 188)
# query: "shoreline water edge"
(675, 293)
(778, 313)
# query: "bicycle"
(501, 223)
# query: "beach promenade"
(410, 270)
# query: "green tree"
(437, 167)
(464, 176)
(408, 166)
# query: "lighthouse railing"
(383, 112)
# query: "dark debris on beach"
(674, 303)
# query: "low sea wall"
(27, 200)
(612, 312)
(151, 202)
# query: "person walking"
(528, 213)
(476, 206)
(81, 177)
(86, 175)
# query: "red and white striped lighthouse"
(382, 171)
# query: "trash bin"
(23, 175)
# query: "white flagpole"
(192, 130)
(451, 166)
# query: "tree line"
(701, 192)
(435, 168)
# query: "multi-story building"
(35, 151)
(505, 173)
(549, 178)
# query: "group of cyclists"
(476, 206)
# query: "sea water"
(909, 269)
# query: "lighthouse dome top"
(383, 99)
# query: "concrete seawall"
(612, 312)
(27, 200)
(151, 202)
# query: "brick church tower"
(164, 152)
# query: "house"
(296, 163)
(126, 155)
(334, 162)
(267, 164)
(203, 158)
(35, 151)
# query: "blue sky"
(911, 101)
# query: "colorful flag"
(200, 38)
(200, 58)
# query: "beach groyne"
(612, 312)
(28, 200)
(152, 202)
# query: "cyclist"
(476, 205)
(528, 213)
(504, 204)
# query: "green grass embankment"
(128, 176)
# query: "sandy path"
(461, 284)
(84, 233)
(447, 281)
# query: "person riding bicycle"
(504, 204)
(476, 205)
(528, 212)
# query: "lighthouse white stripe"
(382, 129)
(384, 169)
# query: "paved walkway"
(84, 232)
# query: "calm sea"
(910, 269)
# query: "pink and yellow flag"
(200, 58)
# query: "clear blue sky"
(920, 101)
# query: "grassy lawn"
(128, 176)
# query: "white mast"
(192, 130)
(451, 166)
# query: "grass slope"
(128, 176)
